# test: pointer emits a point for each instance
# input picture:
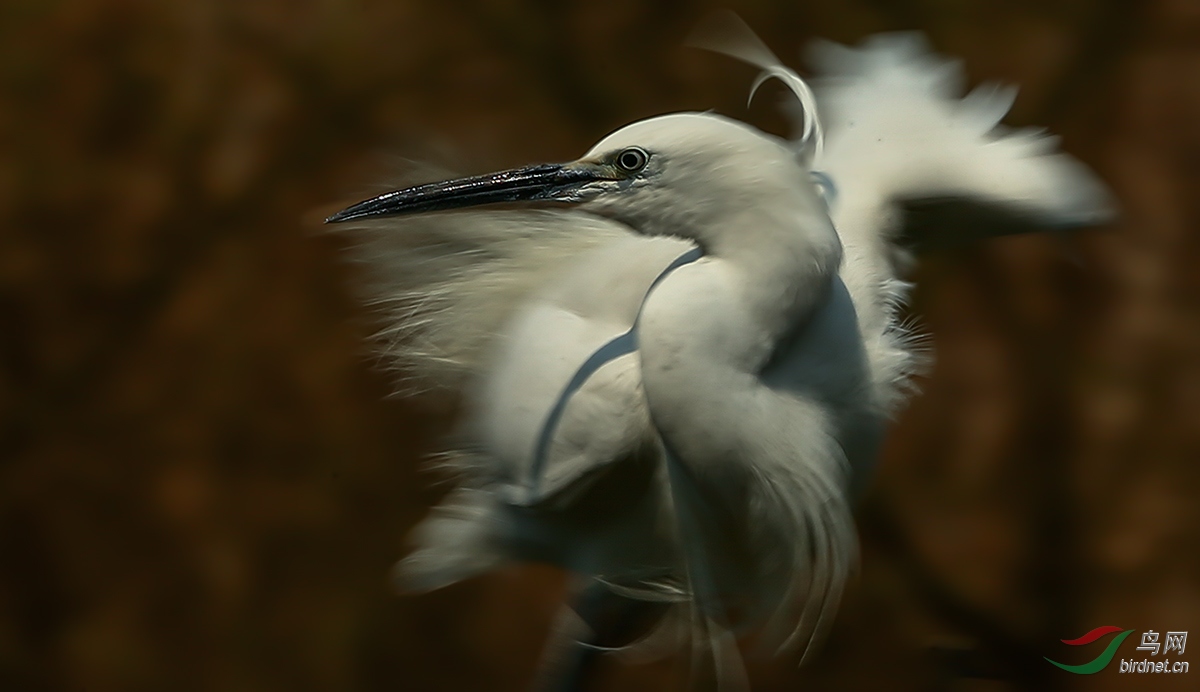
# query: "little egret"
(677, 377)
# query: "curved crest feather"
(727, 34)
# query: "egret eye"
(632, 159)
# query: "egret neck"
(709, 328)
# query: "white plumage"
(739, 392)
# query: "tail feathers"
(455, 542)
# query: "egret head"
(670, 175)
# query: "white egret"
(676, 383)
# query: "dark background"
(203, 483)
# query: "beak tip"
(343, 215)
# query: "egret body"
(676, 383)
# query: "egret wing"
(913, 165)
(548, 317)
(591, 303)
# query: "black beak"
(548, 181)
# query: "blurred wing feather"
(901, 137)
(446, 284)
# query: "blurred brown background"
(203, 483)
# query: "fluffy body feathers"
(714, 465)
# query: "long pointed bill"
(549, 181)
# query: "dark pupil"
(630, 160)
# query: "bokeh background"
(204, 482)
